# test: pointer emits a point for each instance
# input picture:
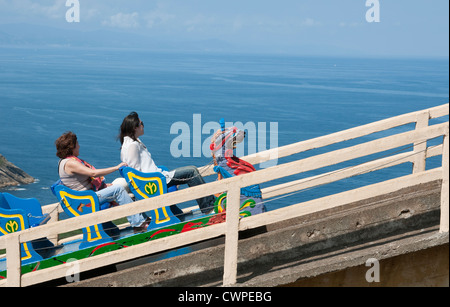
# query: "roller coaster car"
(103, 238)
(18, 214)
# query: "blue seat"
(31, 206)
(54, 185)
(78, 203)
(147, 185)
(3, 203)
(33, 214)
(14, 220)
(59, 182)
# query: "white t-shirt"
(136, 155)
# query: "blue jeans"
(189, 175)
(118, 194)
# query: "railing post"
(445, 185)
(421, 148)
(54, 217)
(231, 236)
(13, 261)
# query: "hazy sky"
(406, 27)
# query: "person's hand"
(121, 164)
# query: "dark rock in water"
(11, 175)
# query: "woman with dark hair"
(136, 155)
(79, 175)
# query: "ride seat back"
(78, 203)
(3, 202)
(147, 185)
(14, 220)
(31, 206)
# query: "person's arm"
(74, 167)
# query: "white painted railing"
(419, 136)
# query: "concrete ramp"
(400, 230)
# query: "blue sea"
(46, 92)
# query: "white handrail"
(418, 137)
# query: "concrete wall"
(425, 268)
(329, 248)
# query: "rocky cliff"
(12, 175)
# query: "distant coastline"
(11, 175)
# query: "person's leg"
(122, 182)
(118, 194)
(189, 175)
